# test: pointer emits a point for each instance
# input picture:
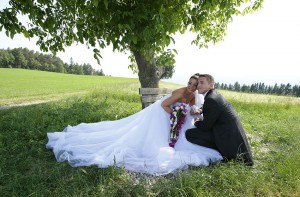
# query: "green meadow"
(25, 86)
(27, 168)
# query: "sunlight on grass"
(25, 86)
(259, 98)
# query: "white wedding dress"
(139, 143)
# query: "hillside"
(25, 86)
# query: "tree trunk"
(148, 75)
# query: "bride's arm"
(166, 104)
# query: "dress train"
(138, 142)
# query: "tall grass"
(28, 169)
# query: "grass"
(25, 86)
(28, 169)
(261, 98)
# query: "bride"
(140, 142)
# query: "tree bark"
(148, 73)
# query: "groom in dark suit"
(221, 127)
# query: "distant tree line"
(261, 88)
(28, 59)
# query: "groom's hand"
(197, 120)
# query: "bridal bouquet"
(177, 118)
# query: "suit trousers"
(205, 139)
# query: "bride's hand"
(195, 110)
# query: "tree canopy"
(144, 28)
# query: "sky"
(260, 47)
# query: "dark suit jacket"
(221, 129)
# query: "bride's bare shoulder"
(179, 91)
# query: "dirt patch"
(39, 100)
(23, 104)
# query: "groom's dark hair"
(209, 78)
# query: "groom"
(221, 127)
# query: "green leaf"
(49, 23)
(134, 39)
(172, 39)
(95, 2)
(7, 33)
(96, 51)
(25, 33)
(106, 4)
(162, 10)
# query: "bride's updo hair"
(198, 74)
(195, 76)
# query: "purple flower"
(177, 118)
